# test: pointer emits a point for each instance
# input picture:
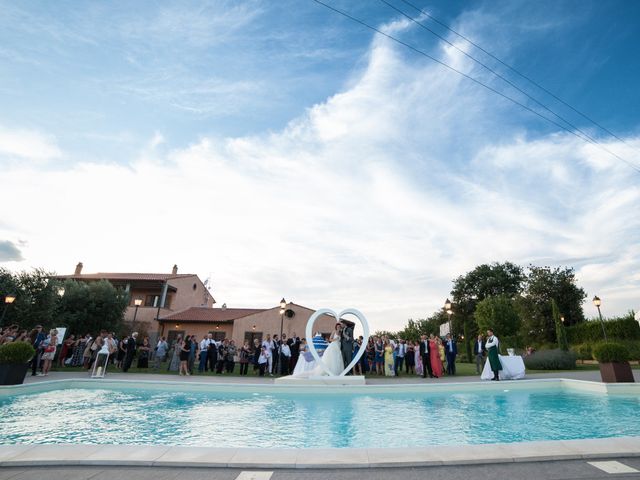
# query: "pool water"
(274, 420)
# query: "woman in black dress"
(185, 351)
(143, 353)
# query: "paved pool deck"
(344, 458)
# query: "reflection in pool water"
(277, 420)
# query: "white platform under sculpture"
(321, 380)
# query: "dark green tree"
(500, 314)
(91, 307)
(542, 285)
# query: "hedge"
(626, 328)
(556, 359)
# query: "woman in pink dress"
(434, 355)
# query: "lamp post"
(597, 302)
(283, 305)
(8, 300)
(137, 302)
(447, 307)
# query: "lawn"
(462, 370)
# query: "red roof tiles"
(204, 314)
(127, 276)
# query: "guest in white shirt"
(400, 350)
(204, 348)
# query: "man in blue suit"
(451, 350)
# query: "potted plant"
(14, 362)
(614, 362)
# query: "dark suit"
(131, 350)
(478, 351)
(451, 350)
(426, 359)
(346, 345)
(294, 345)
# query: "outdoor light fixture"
(8, 300)
(447, 307)
(597, 302)
(562, 318)
(253, 328)
(137, 302)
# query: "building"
(240, 324)
(153, 295)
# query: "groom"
(346, 344)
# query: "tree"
(500, 314)
(561, 334)
(416, 328)
(484, 281)
(36, 297)
(542, 285)
(488, 281)
(91, 307)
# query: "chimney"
(78, 269)
(175, 270)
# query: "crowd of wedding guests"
(431, 356)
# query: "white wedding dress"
(332, 359)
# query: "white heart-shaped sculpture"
(312, 348)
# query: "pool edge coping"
(446, 455)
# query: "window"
(251, 335)
(152, 300)
(218, 336)
(172, 335)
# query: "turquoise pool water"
(277, 420)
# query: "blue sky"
(285, 150)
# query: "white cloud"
(28, 145)
(376, 198)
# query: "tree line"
(41, 298)
(525, 306)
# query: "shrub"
(607, 352)
(584, 351)
(16, 352)
(556, 359)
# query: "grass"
(462, 370)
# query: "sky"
(281, 149)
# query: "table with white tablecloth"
(512, 368)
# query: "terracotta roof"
(127, 276)
(205, 314)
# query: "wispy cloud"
(27, 145)
(376, 198)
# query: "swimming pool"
(272, 418)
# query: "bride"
(332, 358)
